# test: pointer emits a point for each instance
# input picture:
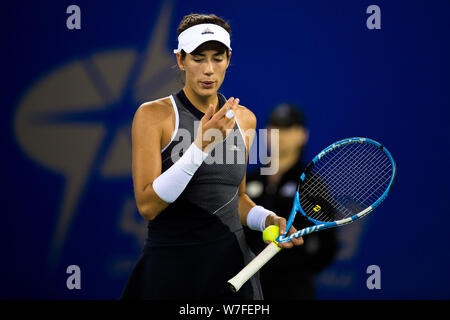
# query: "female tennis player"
(189, 155)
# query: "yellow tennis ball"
(271, 233)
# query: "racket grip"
(260, 260)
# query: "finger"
(221, 113)
(285, 245)
(209, 113)
(230, 118)
(232, 110)
(235, 103)
(293, 241)
(297, 241)
(282, 225)
(292, 230)
(229, 123)
(229, 114)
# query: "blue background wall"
(68, 98)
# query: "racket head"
(344, 182)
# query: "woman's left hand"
(281, 223)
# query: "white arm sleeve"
(170, 184)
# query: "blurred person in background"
(290, 275)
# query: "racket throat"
(295, 209)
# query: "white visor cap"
(196, 35)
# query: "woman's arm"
(247, 123)
(147, 135)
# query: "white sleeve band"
(170, 184)
(256, 218)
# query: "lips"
(207, 84)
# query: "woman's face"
(205, 71)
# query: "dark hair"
(194, 19)
(286, 115)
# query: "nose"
(209, 68)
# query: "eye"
(197, 58)
(218, 59)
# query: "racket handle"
(261, 259)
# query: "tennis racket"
(343, 183)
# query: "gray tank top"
(207, 210)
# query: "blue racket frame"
(320, 225)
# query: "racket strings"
(367, 181)
(379, 187)
(364, 182)
(334, 209)
(337, 168)
(353, 173)
(375, 182)
(345, 181)
(330, 166)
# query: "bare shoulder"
(246, 118)
(155, 112)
